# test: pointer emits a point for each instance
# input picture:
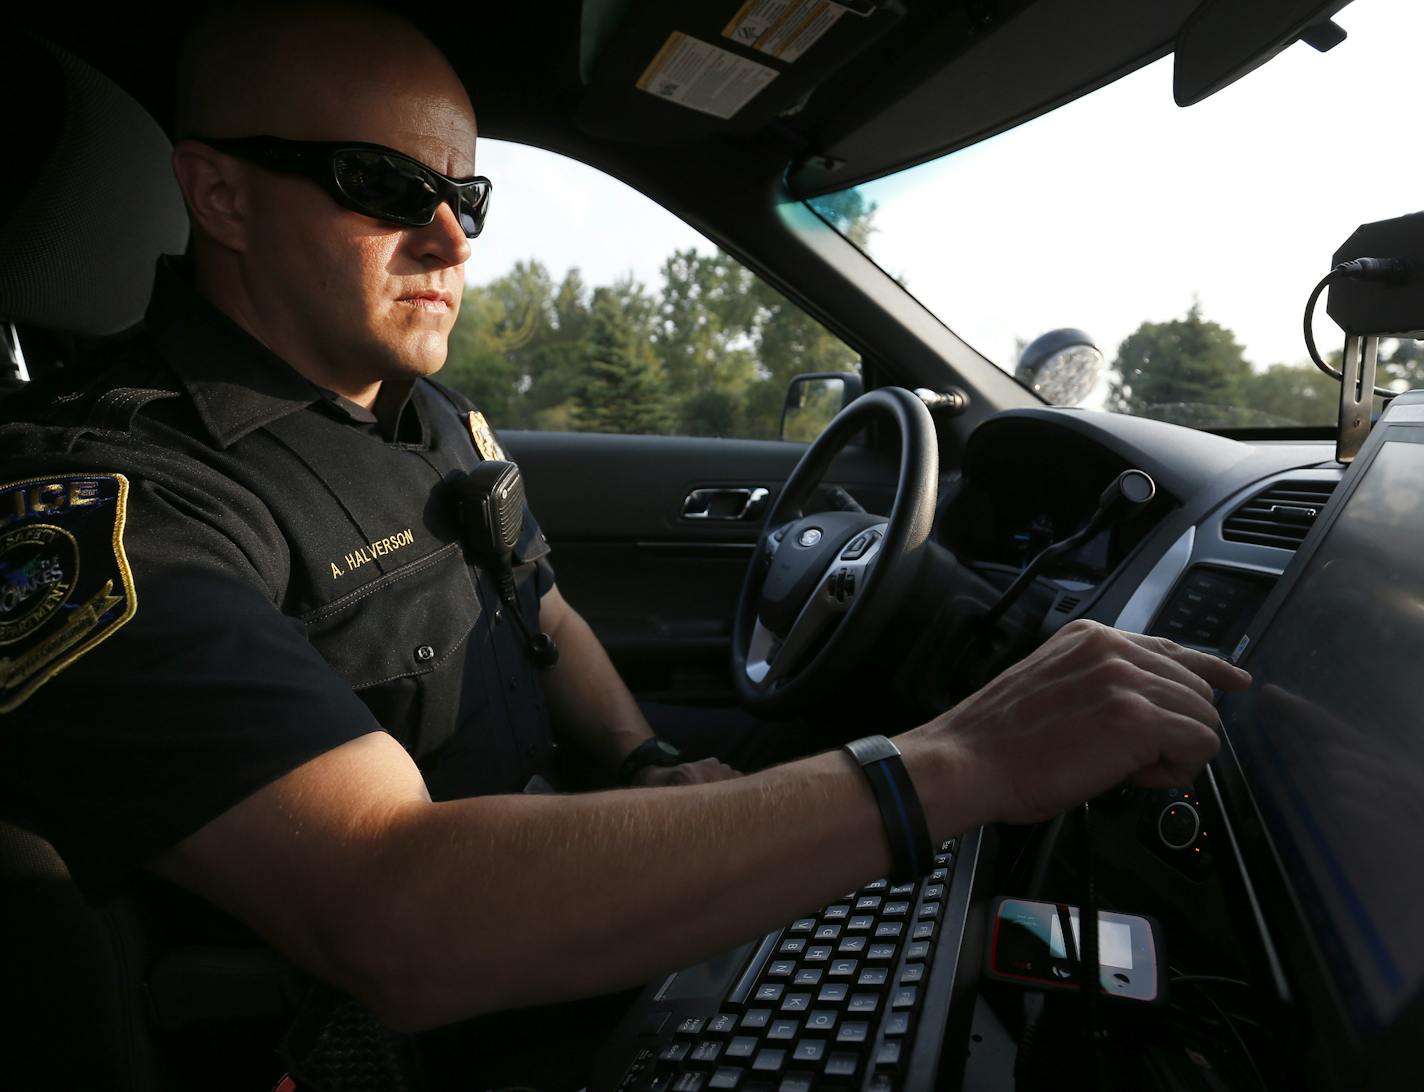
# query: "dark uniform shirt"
(211, 571)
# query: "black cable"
(1240, 1042)
(1218, 979)
(1389, 270)
(1090, 970)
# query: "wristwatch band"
(911, 852)
(651, 752)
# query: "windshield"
(1183, 241)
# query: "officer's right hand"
(1092, 707)
(702, 772)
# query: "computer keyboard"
(836, 999)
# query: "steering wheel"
(821, 588)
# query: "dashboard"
(1195, 564)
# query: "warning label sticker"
(704, 77)
(784, 29)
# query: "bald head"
(307, 71)
(347, 299)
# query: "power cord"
(1090, 970)
(1387, 270)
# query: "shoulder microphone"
(490, 512)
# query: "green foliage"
(1192, 371)
(709, 354)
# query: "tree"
(1299, 394)
(1186, 370)
(620, 389)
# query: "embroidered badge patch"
(64, 580)
(486, 442)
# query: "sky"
(1113, 210)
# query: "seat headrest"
(87, 197)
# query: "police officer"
(245, 651)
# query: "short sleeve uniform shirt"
(212, 571)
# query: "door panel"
(660, 589)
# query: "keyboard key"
(705, 1052)
(929, 910)
(934, 892)
(809, 1050)
(769, 991)
(802, 925)
(743, 1046)
(842, 1066)
(783, 1030)
(924, 930)
(793, 946)
(827, 932)
(889, 929)
(895, 910)
(821, 1021)
(918, 950)
(888, 1056)
(947, 847)
(881, 953)
(780, 968)
(691, 1027)
(881, 1082)
(817, 953)
(755, 1019)
(853, 1031)
(861, 923)
(876, 887)
(835, 913)
(796, 1082)
(807, 976)
(863, 1004)
(939, 875)
(851, 945)
(674, 1054)
(900, 890)
(655, 1082)
(769, 1060)
(844, 968)
(873, 976)
(725, 1079)
(796, 1002)
(833, 993)
(942, 860)
(868, 902)
(913, 972)
(688, 1082)
(898, 1023)
(904, 997)
(723, 1024)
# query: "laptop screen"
(1330, 738)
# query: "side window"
(588, 307)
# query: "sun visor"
(673, 74)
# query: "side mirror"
(1061, 367)
(813, 399)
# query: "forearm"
(591, 707)
(545, 898)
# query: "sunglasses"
(371, 179)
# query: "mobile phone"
(1029, 947)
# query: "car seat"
(88, 202)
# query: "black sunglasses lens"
(386, 187)
(473, 205)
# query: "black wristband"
(911, 852)
(651, 752)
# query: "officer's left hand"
(701, 772)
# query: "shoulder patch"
(65, 583)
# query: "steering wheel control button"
(1178, 825)
(856, 547)
(809, 537)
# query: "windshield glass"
(1184, 242)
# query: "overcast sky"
(1112, 210)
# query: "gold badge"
(485, 441)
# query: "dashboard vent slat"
(1280, 515)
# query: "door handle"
(726, 504)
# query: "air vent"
(1279, 516)
(1067, 603)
